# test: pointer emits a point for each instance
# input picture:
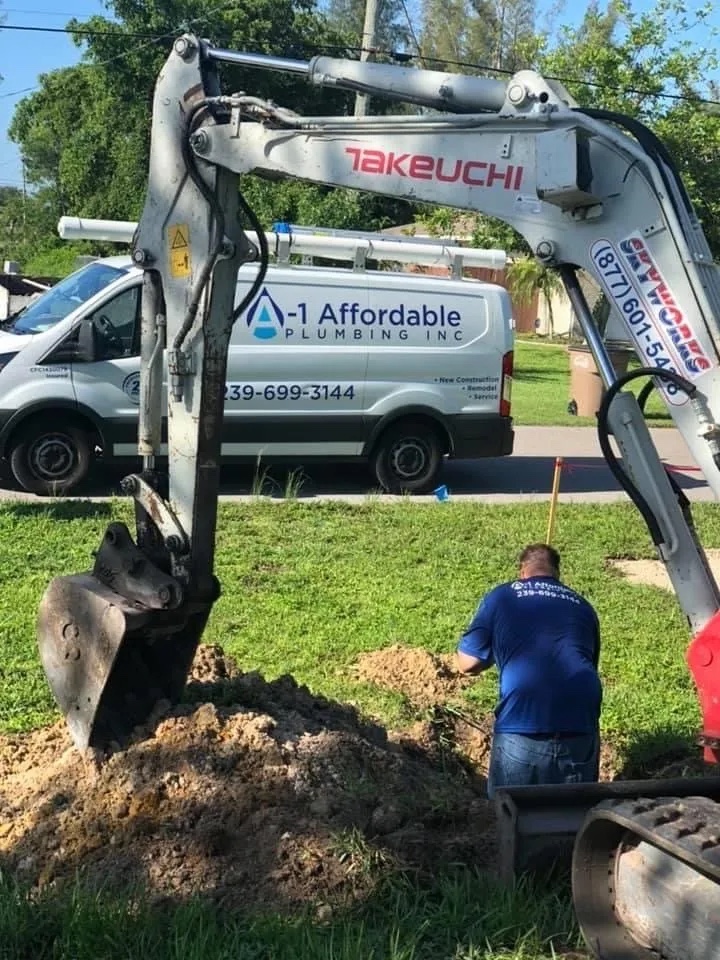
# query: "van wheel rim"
(53, 457)
(409, 458)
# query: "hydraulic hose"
(264, 259)
(677, 489)
(218, 222)
(644, 394)
(604, 437)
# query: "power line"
(16, 93)
(154, 39)
(41, 13)
(81, 31)
(412, 31)
(404, 57)
(582, 81)
(120, 34)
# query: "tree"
(514, 34)
(27, 224)
(637, 64)
(474, 35)
(392, 30)
(84, 134)
(458, 32)
(528, 278)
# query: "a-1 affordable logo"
(349, 321)
(265, 318)
(421, 166)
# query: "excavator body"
(587, 190)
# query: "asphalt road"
(526, 475)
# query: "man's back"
(545, 640)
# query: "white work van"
(399, 370)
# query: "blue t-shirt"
(545, 640)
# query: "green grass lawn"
(541, 388)
(462, 916)
(306, 589)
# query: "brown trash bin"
(586, 386)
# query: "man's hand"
(470, 666)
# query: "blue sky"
(26, 55)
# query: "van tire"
(408, 456)
(51, 459)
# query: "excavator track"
(646, 879)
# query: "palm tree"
(527, 277)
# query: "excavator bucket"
(109, 660)
(537, 825)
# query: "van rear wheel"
(51, 459)
(408, 457)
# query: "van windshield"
(63, 298)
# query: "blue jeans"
(518, 760)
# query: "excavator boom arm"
(584, 193)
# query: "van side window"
(117, 331)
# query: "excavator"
(589, 190)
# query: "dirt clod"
(248, 793)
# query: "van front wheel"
(408, 457)
(50, 460)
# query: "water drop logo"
(265, 318)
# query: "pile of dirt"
(424, 678)
(430, 682)
(250, 793)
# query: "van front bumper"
(475, 436)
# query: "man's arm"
(471, 666)
(474, 651)
(595, 631)
(596, 651)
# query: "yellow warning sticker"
(179, 243)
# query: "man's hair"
(542, 555)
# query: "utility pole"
(367, 43)
(24, 192)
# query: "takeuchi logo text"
(663, 305)
(421, 166)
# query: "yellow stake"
(554, 498)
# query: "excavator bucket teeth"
(109, 661)
(537, 825)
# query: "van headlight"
(5, 359)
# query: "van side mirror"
(81, 348)
(86, 347)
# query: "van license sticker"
(131, 387)
(53, 372)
